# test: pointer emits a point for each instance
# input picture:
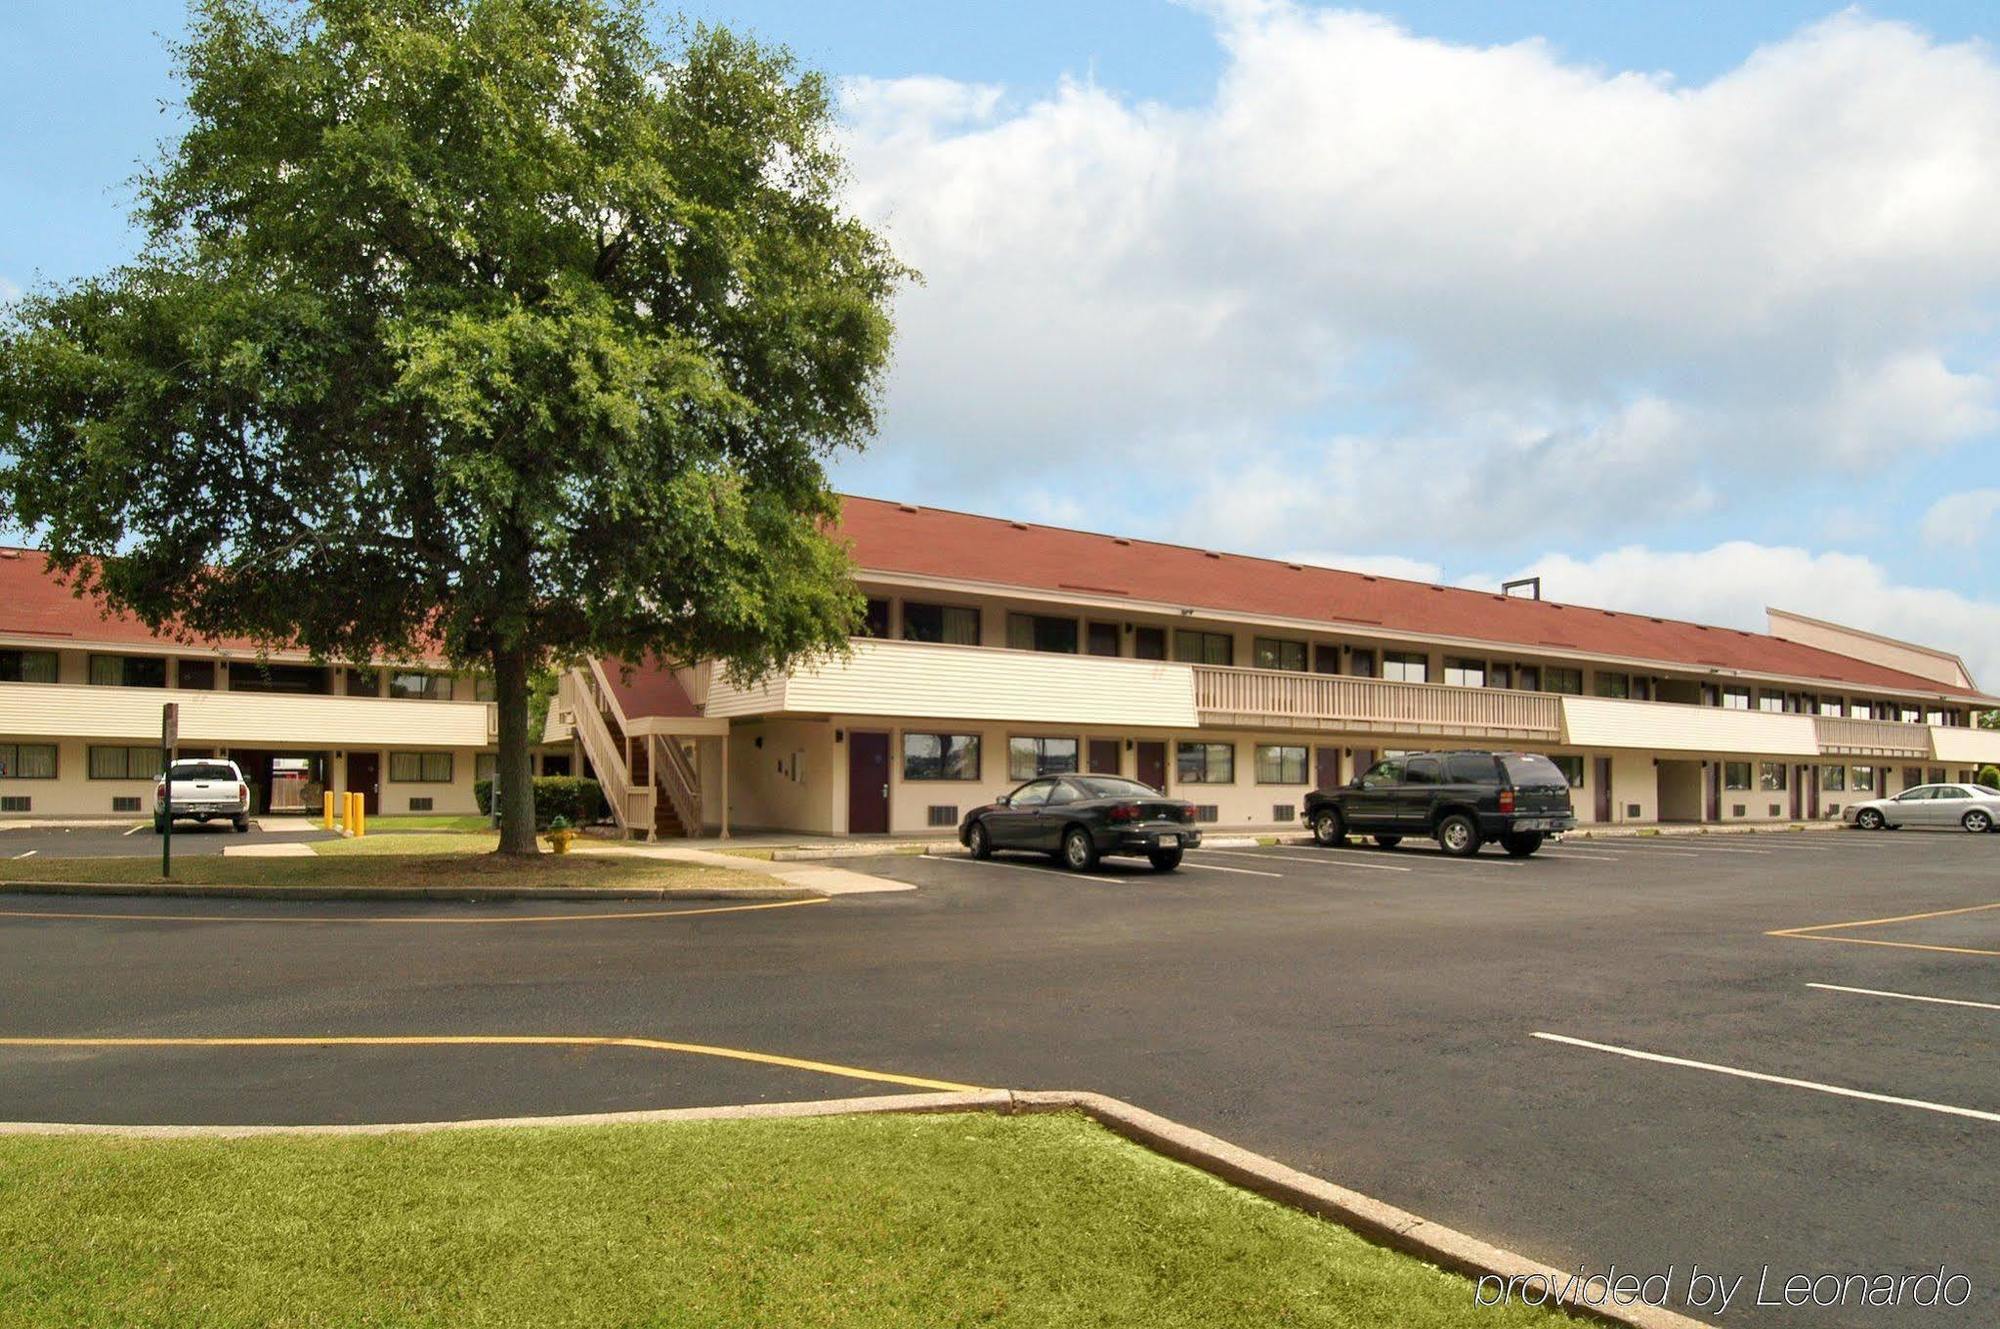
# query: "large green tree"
(516, 329)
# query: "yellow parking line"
(1817, 931)
(400, 920)
(1876, 922)
(502, 1040)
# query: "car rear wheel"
(1870, 820)
(978, 842)
(159, 825)
(1521, 844)
(1458, 835)
(1977, 822)
(242, 825)
(1388, 841)
(1328, 829)
(1164, 860)
(1079, 852)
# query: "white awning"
(1971, 746)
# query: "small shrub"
(1989, 775)
(579, 802)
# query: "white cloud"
(1961, 520)
(1731, 584)
(9, 292)
(1476, 280)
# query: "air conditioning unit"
(420, 804)
(16, 803)
(1207, 812)
(1284, 812)
(941, 814)
(125, 803)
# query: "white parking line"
(1839, 1091)
(1572, 853)
(1907, 996)
(30, 854)
(1217, 867)
(1326, 858)
(1631, 850)
(142, 826)
(1049, 872)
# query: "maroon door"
(1363, 759)
(1326, 659)
(1798, 793)
(1811, 776)
(364, 776)
(1104, 756)
(1601, 770)
(1711, 776)
(1153, 765)
(1326, 768)
(867, 783)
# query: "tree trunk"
(516, 795)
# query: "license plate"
(1167, 841)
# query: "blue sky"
(1690, 308)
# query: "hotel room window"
(1405, 667)
(951, 625)
(875, 618)
(1278, 653)
(940, 756)
(27, 666)
(1101, 638)
(1771, 776)
(1206, 763)
(1736, 699)
(1149, 644)
(1566, 681)
(1465, 673)
(1204, 648)
(1615, 686)
(1030, 757)
(1735, 775)
(1279, 763)
(1040, 632)
(128, 671)
(195, 675)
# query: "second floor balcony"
(243, 719)
(1271, 698)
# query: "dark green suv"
(1463, 799)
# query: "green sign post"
(170, 737)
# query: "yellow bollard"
(360, 814)
(326, 808)
(347, 811)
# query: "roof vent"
(1018, 525)
(1296, 567)
(10, 553)
(906, 507)
(1367, 576)
(1211, 553)
(1120, 540)
(1657, 620)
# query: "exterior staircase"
(651, 786)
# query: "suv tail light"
(1124, 812)
(1506, 800)
(1189, 812)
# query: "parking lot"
(1733, 1051)
(138, 840)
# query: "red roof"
(34, 604)
(899, 538)
(648, 689)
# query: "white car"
(1967, 807)
(205, 789)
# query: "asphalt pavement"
(1600, 1056)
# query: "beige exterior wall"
(783, 776)
(1908, 657)
(76, 715)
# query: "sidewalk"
(811, 877)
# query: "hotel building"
(998, 650)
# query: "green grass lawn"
(425, 859)
(869, 1222)
(423, 821)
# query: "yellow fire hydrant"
(560, 833)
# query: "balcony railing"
(1267, 697)
(1871, 738)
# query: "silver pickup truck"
(205, 789)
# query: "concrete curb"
(188, 890)
(1382, 1223)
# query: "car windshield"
(1531, 768)
(1113, 786)
(203, 770)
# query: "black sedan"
(1080, 818)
